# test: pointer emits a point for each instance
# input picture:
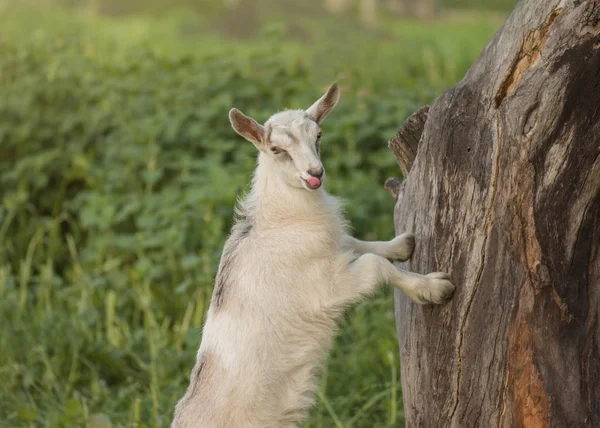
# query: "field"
(118, 176)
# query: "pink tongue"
(313, 182)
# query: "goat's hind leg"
(369, 271)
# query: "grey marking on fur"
(268, 133)
(292, 137)
(239, 232)
(196, 377)
(222, 279)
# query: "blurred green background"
(119, 172)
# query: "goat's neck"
(275, 202)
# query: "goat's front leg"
(399, 248)
(366, 273)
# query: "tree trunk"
(242, 19)
(94, 7)
(422, 9)
(368, 12)
(503, 193)
(336, 6)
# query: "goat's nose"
(316, 172)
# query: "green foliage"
(119, 173)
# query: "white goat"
(288, 270)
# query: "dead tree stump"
(502, 190)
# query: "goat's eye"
(277, 150)
(319, 135)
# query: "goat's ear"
(323, 106)
(247, 127)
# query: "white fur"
(288, 270)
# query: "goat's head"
(291, 140)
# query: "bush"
(119, 181)
(132, 158)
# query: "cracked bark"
(502, 190)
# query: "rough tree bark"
(502, 190)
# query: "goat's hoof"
(440, 288)
(402, 246)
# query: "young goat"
(287, 272)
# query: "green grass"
(119, 172)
